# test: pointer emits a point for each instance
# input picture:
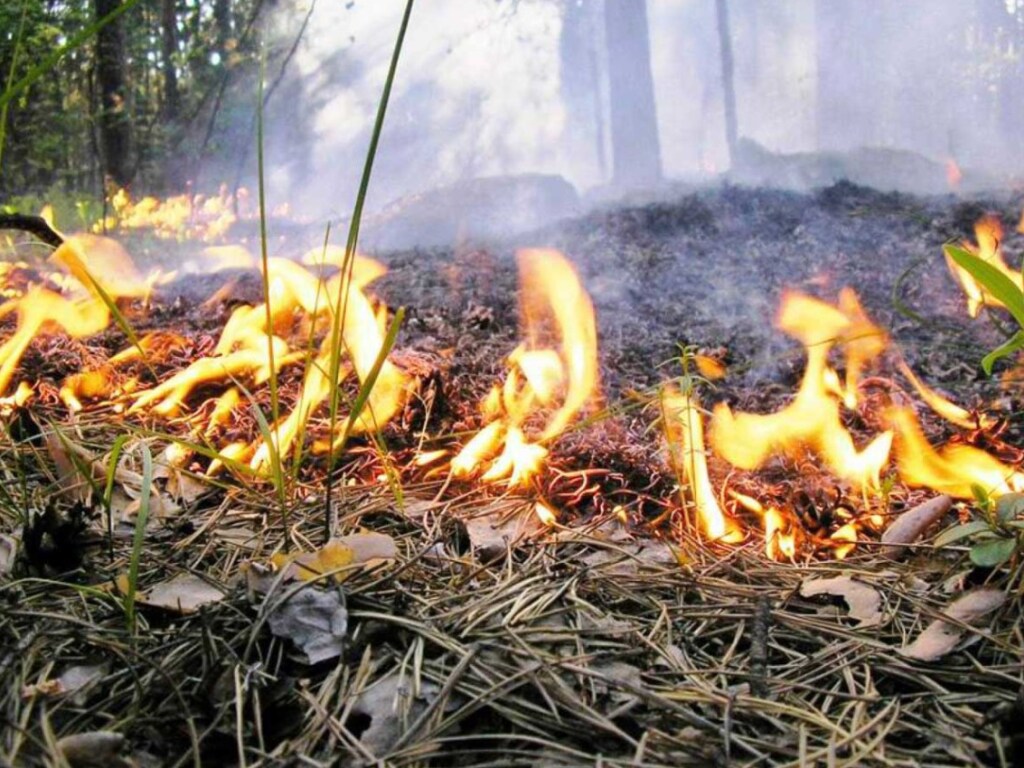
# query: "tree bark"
(636, 153)
(222, 25)
(111, 77)
(728, 82)
(169, 47)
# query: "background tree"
(636, 151)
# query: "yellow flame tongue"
(812, 420)
(956, 470)
(989, 233)
(557, 363)
(685, 432)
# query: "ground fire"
(318, 309)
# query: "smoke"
(503, 87)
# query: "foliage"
(1002, 288)
(997, 536)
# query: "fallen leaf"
(336, 556)
(912, 525)
(314, 620)
(391, 705)
(8, 553)
(183, 594)
(865, 603)
(941, 636)
(72, 680)
(91, 748)
(491, 535)
(70, 480)
(631, 559)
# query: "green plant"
(997, 536)
(1003, 289)
(141, 519)
(340, 308)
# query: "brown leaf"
(492, 534)
(865, 603)
(912, 524)
(940, 637)
(183, 594)
(8, 554)
(92, 748)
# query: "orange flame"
(989, 233)
(812, 420)
(684, 429)
(555, 367)
(954, 176)
(956, 470)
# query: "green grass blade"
(264, 259)
(108, 488)
(994, 281)
(140, 533)
(1008, 347)
(350, 250)
(10, 77)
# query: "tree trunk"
(222, 25)
(169, 45)
(581, 90)
(636, 154)
(728, 83)
(114, 120)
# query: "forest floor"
(471, 634)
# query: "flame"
(950, 411)
(95, 270)
(179, 217)
(684, 429)
(555, 367)
(545, 514)
(779, 537)
(954, 176)
(989, 233)
(812, 420)
(956, 470)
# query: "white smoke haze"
(504, 87)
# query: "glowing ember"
(685, 432)
(555, 367)
(545, 514)
(989, 234)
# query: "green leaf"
(1005, 349)
(140, 532)
(1009, 506)
(994, 281)
(951, 535)
(982, 497)
(993, 552)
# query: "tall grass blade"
(264, 259)
(350, 250)
(360, 402)
(140, 533)
(15, 57)
(108, 488)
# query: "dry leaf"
(940, 637)
(92, 748)
(336, 556)
(73, 679)
(71, 482)
(8, 553)
(313, 619)
(182, 594)
(491, 535)
(630, 559)
(865, 603)
(912, 524)
(391, 706)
